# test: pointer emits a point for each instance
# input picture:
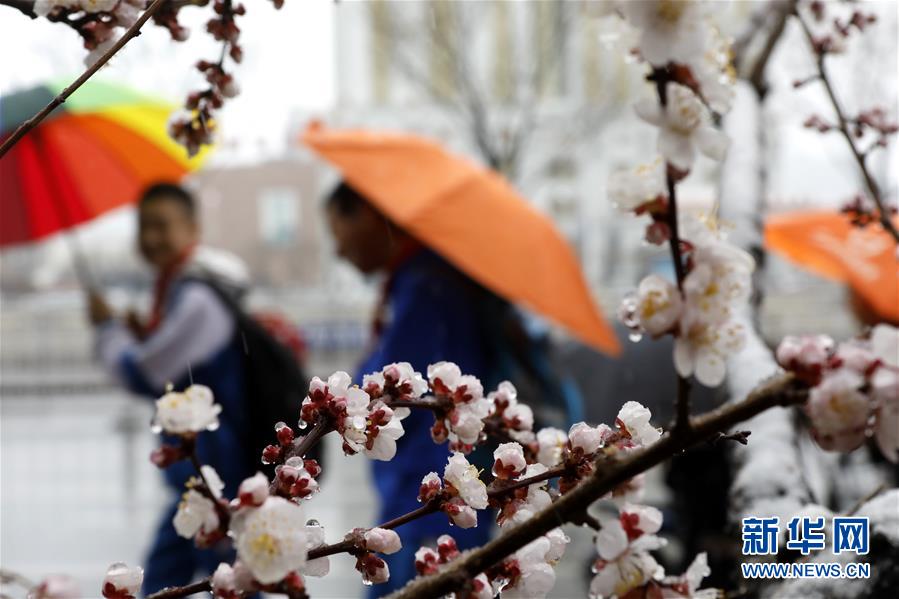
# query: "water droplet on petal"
(302, 424)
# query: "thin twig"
(526, 482)
(858, 505)
(661, 76)
(130, 33)
(302, 445)
(843, 127)
(200, 586)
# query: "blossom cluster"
(367, 425)
(693, 75)
(626, 568)
(701, 312)
(854, 387)
(194, 126)
(97, 21)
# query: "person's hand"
(135, 324)
(98, 310)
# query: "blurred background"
(542, 91)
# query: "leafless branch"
(130, 33)
(843, 127)
(611, 471)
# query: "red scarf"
(161, 288)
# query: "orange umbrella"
(828, 244)
(473, 218)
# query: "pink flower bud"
(374, 569)
(253, 491)
(122, 582)
(447, 548)
(284, 433)
(271, 454)
(509, 461)
(426, 561)
(431, 486)
(166, 455)
(382, 540)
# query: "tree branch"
(843, 126)
(302, 445)
(130, 33)
(661, 76)
(781, 390)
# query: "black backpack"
(275, 382)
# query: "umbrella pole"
(79, 261)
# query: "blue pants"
(175, 561)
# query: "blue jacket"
(433, 316)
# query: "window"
(279, 217)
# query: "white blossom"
(703, 346)
(550, 444)
(721, 278)
(212, 480)
(191, 411)
(537, 576)
(684, 125)
(558, 542)
(271, 539)
(838, 410)
(537, 498)
(715, 72)
(624, 565)
(670, 30)
(382, 540)
(658, 305)
(587, 438)
(629, 189)
(196, 514)
(634, 418)
(466, 420)
(690, 581)
(464, 478)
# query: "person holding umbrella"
(456, 247)
(189, 339)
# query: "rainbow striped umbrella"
(91, 155)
